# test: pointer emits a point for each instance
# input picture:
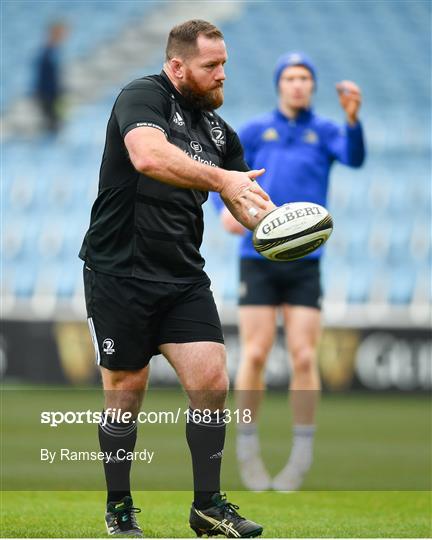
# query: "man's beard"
(197, 99)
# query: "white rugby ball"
(292, 231)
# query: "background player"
(297, 148)
(48, 77)
(146, 290)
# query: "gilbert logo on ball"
(292, 231)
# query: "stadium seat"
(402, 284)
(399, 248)
(24, 278)
(381, 246)
(29, 33)
(360, 282)
(12, 239)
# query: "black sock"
(114, 436)
(206, 441)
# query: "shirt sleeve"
(346, 144)
(142, 105)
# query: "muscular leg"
(201, 369)
(123, 391)
(302, 331)
(257, 332)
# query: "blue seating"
(402, 283)
(381, 212)
(23, 276)
(360, 281)
(24, 32)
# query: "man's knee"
(304, 360)
(256, 356)
(124, 400)
(216, 379)
(211, 391)
(124, 390)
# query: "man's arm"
(347, 144)
(152, 155)
(348, 147)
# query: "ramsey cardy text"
(66, 454)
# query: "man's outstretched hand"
(244, 198)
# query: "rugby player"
(146, 290)
(297, 148)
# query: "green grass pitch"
(371, 475)
(165, 514)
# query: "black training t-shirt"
(142, 227)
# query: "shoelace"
(129, 512)
(230, 508)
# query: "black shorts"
(129, 318)
(270, 283)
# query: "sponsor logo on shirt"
(310, 137)
(198, 158)
(270, 134)
(217, 136)
(195, 145)
(178, 119)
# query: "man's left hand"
(350, 99)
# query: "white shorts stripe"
(94, 339)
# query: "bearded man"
(146, 290)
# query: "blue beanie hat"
(294, 58)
